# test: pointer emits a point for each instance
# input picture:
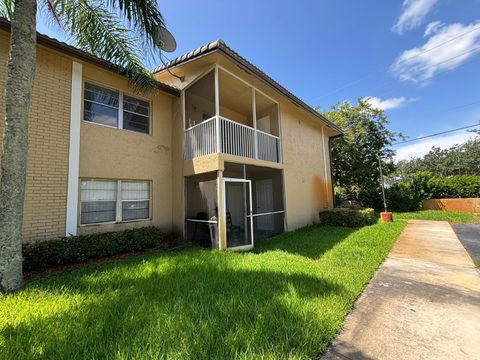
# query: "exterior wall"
(307, 169)
(178, 200)
(467, 205)
(48, 142)
(110, 153)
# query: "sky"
(419, 60)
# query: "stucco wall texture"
(467, 205)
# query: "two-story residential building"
(220, 152)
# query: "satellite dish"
(165, 40)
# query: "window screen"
(98, 201)
(100, 105)
(136, 114)
(135, 200)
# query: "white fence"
(235, 139)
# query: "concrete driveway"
(423, 302)
(469, 236)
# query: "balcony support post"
(254, 117)
(217, 112)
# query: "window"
(135, 200)
(98, 201)
(105, 201)
(100, 105)
(116, 109)
(136, 115)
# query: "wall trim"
(74, 150)
(325, 168)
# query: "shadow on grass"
(195, 304)
(311, 242)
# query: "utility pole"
(382, 183)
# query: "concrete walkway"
(423, 303)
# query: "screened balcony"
(252, 206)
(223, 114)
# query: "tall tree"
(460, 159)
(355, 155)
(115, 30)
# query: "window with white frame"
(98, 201)
(114, 108)
(104, 201)
(135, 200)
(136, 114)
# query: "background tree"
(460, 159)
(355, 155)
(115, 30)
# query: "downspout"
(330, 152)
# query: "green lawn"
(439, 215)
(286, 299)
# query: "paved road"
(469, 236)
(423, 302)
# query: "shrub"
(459, 186)
(371, 198)
(402, 197)
(408, 195)
(347, 217)
(74, 249)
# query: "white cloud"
(413, 13)
(386, 104)
(420, 64)
(432, 28)
(421, 147)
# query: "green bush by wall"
(347, 217)
(69, 250)
(408, 196)
(460, 186)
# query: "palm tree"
(115, 30)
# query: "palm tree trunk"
(21, 71)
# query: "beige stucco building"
(220, 152)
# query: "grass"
(286, 299)
(439, 215)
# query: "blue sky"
(336, 50)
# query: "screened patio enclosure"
(223, 114)
(251, 207)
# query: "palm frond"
(48, 8)
(6, 9)
(142, 15)
(100, 32)
(145, 19)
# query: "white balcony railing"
(201, 139)
(235, 139)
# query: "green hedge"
(347, 217)
(408, 196)
(460, 186)
(69, 250)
